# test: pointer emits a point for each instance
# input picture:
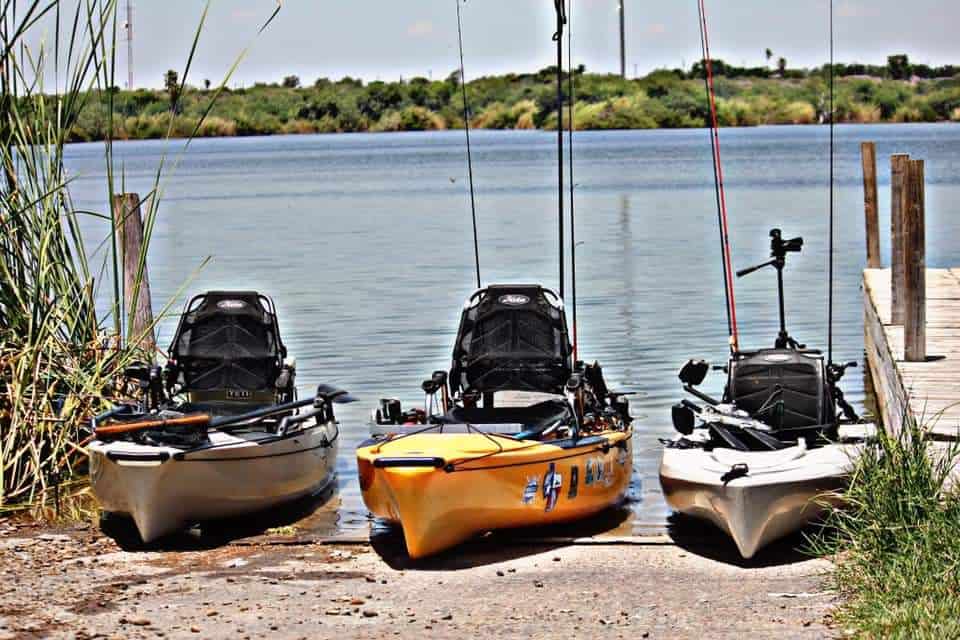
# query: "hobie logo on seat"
(777, 357)
(514, 299)
(231, 304)
(233, 394)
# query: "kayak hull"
(471, 483)
(782, 491)
(165, 489)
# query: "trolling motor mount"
(779, 248)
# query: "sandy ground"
(76, 582)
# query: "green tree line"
(747, 96)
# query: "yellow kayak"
(444, 488)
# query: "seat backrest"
(512, 337)
(784, 388)
(228, 348)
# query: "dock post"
(129, 225)
(898, 204)
(868, 154)
(914, 258)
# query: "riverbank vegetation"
(63, 344)
(897, 92)
(896, 543)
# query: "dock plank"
(929, 390)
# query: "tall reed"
(896, 541)
(59, 361)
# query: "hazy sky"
(386, 39)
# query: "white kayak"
(166, 488)
(759, 496)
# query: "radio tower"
(129, 28)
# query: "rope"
(466, 128)
(573, 234)
(718, 182)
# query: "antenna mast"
(623, 45)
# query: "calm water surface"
(364, 242)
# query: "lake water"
(364, 242)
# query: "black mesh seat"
(228, 348)
(785, 388)
(512, 337)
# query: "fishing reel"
(149, 379)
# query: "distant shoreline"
(661, 100)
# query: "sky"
(389, 39)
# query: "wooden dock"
(929, 390)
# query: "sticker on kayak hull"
(552, 483)
(574, 481)
(530, 491)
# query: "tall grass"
(897, 541)
(59, 361)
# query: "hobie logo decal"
(514, 299)
(552, 483)
(530, 491)
(777, 357)
(231, 305)
(598, 471)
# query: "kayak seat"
(227, 350)
(784, 388)
(512, 337)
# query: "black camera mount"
(779, 248)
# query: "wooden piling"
(129, 225)
(898, 204)
(914, 258)
(868, 155)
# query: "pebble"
(370, 613)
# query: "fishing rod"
(573, 234)
(466, 128)
(558, 38)
(832, 179)
(713, 123)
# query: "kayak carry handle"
(387, 463)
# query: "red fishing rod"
(718, 181)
